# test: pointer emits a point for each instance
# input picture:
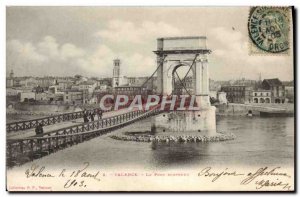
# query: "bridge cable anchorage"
(154, 72)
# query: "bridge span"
(24, 149)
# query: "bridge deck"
(49, 128)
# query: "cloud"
(71, 51)
(133, 44)
(130, 42)
(137, 65)
(49, 57)
(101, 61)
(230, 58)
(49, 47)
(98, 61)
(24, 51)
(119, 31)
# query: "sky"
(65, 41)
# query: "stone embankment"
(33, 113)
(238, 109)
(184, 138)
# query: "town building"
(45, 82)
(102, 88)
(261, 96)
(246, 82)
(88, 85)
(237, 93)
(52, 89)
(130, 91)
(27, 96)
(13, 91)
(143, 82)
(63, 84)
(17, 82)
(289, 91)
(79, 79)
(73, 97)
(75, 87)
(38, 89)
(277, 89)
(104, 81)
(41, 96)
(56, 98)
(27, 82)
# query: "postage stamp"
(269, 30)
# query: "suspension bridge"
(172, 53)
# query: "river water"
(259, 142)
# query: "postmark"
(269, 30)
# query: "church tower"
(10, 79)
(116, 73)
(11, 74)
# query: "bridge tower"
(172, 53)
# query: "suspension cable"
(154, 71)
(182, 83)
(186, 74)
(191, 66)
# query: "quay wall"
(47, 108)
(235, 109)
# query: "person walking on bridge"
(92, 116)
(85, 118)
(39, 129)
(99, 114)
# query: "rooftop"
(87, 83)
(273, 82)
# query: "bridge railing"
(22, 150)
(28, 124)
(49, 120)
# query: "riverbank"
(238, 109)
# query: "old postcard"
(182, 99)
